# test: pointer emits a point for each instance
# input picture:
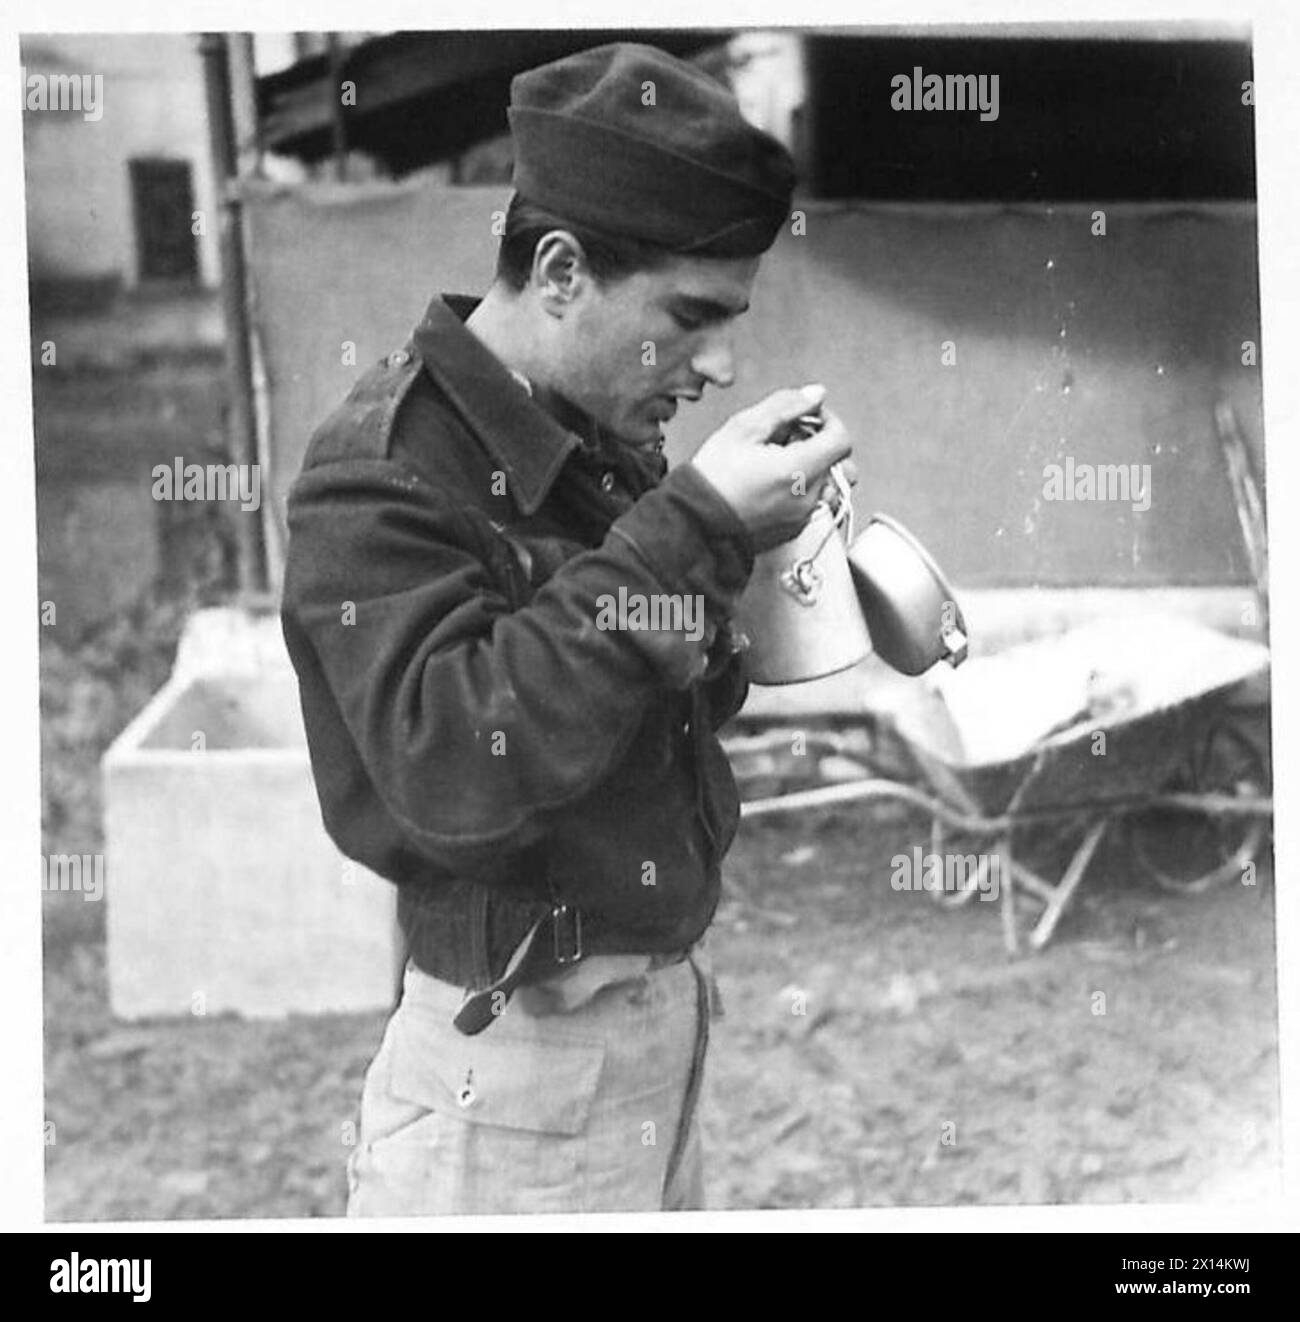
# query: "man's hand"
(771, 487)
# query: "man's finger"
(780, 409)
(817, 454)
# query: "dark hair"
(610, 257)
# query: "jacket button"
(399, 359)
(607, 483)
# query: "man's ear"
(560, 273)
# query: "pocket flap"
(498, 1078)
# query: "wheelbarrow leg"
(1062, 894)
(1008, 907)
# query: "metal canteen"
(910, 610)
(800, 613)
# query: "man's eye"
(687, 323)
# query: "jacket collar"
(530, 445)
(530, 440)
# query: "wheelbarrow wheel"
(1189, 850)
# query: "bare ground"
(928, 1068)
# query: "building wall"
(1101, 349)
(80, 223)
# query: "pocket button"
(466, 1095)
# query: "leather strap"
(483, 1004)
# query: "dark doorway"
(163, 195)
(1079, 119)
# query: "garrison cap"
(625, 139)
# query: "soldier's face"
(638, 347)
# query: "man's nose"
(715, 360)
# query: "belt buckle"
(566, 933)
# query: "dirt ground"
(928, 1068)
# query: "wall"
(1104, 349)
(79, 208)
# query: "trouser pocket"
(493, 1123)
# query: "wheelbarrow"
(1131, 723)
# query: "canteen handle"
(841, 512)
(804, 427)
(803, 579)
(843, 508)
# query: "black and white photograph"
(650, 617)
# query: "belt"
(535, 952)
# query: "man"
(510, 630)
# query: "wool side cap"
(629, 140)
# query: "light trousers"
(583, 1096)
